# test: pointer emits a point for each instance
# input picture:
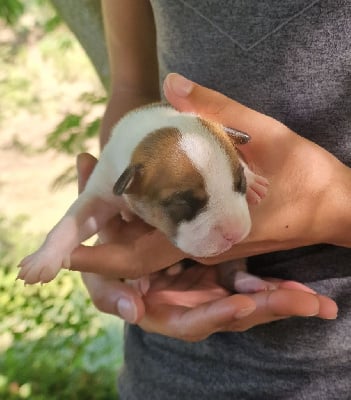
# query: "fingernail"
(335, 316)
(181, 86)
(127, 310)
(144, 284)
(244, 312)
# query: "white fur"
(135, 126)
(126, 135)
(226, 219)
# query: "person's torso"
(290, 60)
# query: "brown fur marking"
(158, 179)
(226, 144)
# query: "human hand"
(132, 249)
(192, 305)
(307, 202)
(108, 293)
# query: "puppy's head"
(188, 182)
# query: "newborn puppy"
(178, 172)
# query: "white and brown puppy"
(178, 172)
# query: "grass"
(53, 342)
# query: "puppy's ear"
(127, 179)
(237, 136)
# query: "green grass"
(53, 343)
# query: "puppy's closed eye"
(240, 182)
(183, 206)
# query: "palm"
(184, 302)
(189, 289)
(192, 305)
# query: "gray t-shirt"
(290, 59)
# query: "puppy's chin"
(204, 251)
(209, 247)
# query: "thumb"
(266, 133)
(189, 96)
(115, 297)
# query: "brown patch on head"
(168, 189)
(225, 142)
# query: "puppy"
(178, 172)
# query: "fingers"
(109, 296)
(327, 308)
(194, 324)
(149, 253)
(282, 303)
(293, 285)
(235, 313)
(115, 297)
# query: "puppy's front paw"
(41, 266)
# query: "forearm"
(131, 42)
(339, 209)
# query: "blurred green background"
(53, 343)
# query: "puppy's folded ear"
(237, 136)
(127, 180)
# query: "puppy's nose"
(231, 235)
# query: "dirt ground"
(26, 177)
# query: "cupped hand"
(192, 304)
(108, 293)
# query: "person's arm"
(131, 43)
(130, 36)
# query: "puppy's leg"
(234, 277)
(84, 218)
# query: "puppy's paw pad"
(39, 267)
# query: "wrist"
(337, 225)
